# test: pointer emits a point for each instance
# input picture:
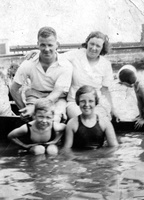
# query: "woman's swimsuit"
(86, 137)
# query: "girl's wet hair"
(86, 89)
(127, 76)
(44, 105)
(100, 35)
(47, 32)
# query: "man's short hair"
(47, 32)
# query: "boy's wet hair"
(47, 32)
(100, 35)
(127, 76)
(86, 89)
(44, 105)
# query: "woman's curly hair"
(100, 35)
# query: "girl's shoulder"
(73, 120)
(73, 123)
(104, 122)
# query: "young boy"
(128, 76)
(88, 130)
(39, 131)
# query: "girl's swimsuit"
(86, 137)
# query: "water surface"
(104, 174)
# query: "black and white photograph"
(72, 100)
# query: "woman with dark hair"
(88, 130)
(90, 67)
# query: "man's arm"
(55, 94)
(140, 102)
(16, 95)
(139, 91)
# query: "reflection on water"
(104, 174)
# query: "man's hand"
(139, 122)
(27, 112)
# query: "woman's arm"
(105, 91)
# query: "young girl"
(88, 130)
(39, 131)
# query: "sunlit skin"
(47, 47)
(87, 104)
(94, 47)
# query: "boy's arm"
(58, 128)
(18, 132)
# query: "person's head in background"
(47, 43)
(127, 75)
(86, 98)
(2, 76)
(96, 44)
(43, 113)
(12, 70)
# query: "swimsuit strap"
(29, 131)
(97, 118)
(79, 119)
